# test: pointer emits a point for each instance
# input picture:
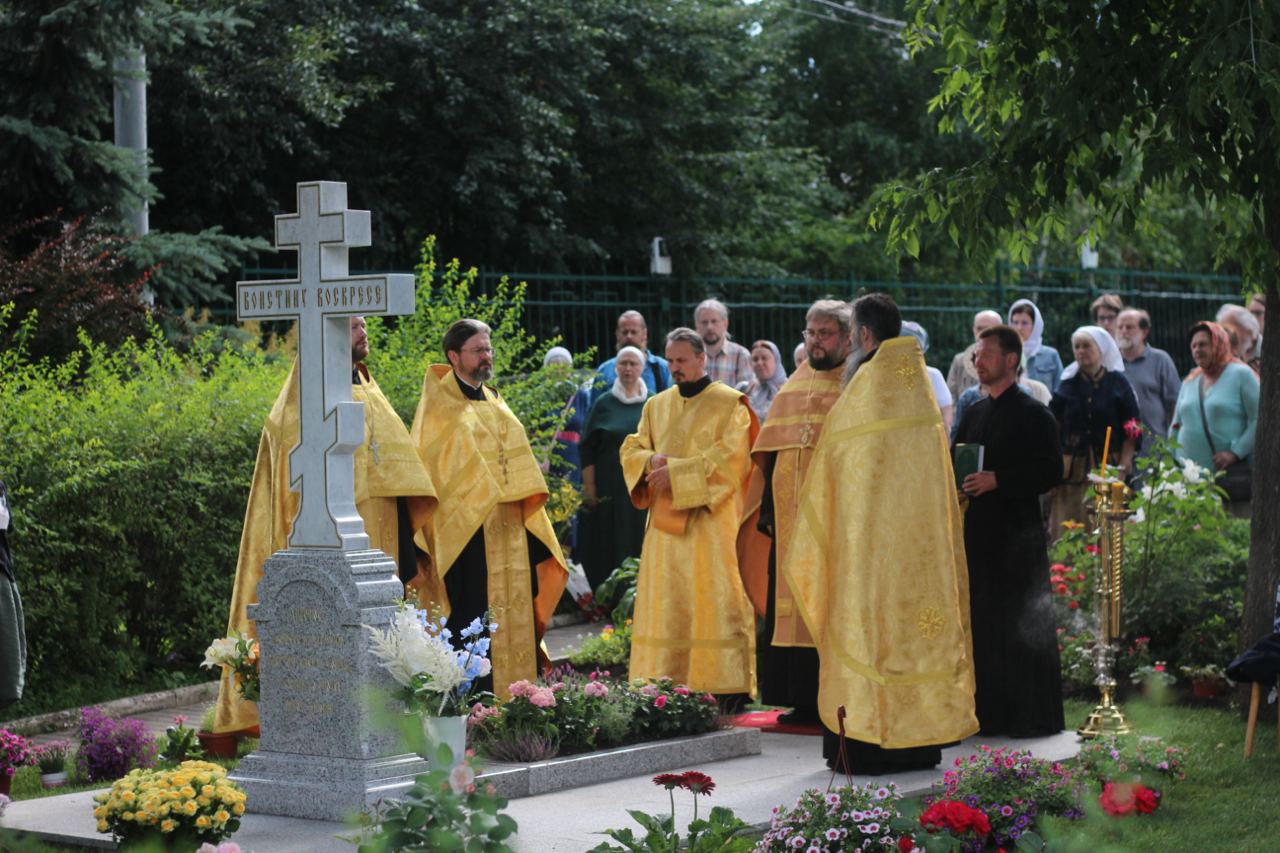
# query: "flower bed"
(572, 713)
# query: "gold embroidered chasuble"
(791, 433)
(386, 467)
(877, 562)
(479, 456)
(693, 622)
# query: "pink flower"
(522, 688)
(708, 698)
(461, 778)
(557, 687)
(649, 690)
(660, 702)
(683, 691)
(543, 698)
(179, 719)
(596, 689)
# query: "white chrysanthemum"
(219, 653)
(406, 649)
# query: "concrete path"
(566, 820)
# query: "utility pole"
(130, 113)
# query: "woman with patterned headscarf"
(1216, 416)
(1094, 395)
(766, 364)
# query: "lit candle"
(1106, 451)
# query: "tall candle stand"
(1110, 512)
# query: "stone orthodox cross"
(322, 298)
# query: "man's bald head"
(631, 331)
(984, 320)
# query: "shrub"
(667, 709)
(1133, 758)
(611, 647)
(110, 748)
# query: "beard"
(483, 373)
(826, 361)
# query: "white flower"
(1192, 472)
(220, 653)
(1139, 516)
(1179, 489)
(407, 649)
(461, 778)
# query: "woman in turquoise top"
(1230, 391)
(1041, 363)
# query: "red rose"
(1073, 605)
(1116, 800)
(1061, 589)
(660, 702)
(906, 844)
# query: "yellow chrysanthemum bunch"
(196, 800)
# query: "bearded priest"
(394, 496)
(877, 562)
(688, 464)
(493, 545)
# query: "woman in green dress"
(610, 529)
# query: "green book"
(966, 459)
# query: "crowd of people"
(902, 607)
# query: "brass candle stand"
(1110, 514)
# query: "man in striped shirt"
(727, 362)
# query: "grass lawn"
(1225, 803)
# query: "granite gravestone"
(326, 749)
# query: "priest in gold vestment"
(877, 562)
(782, 453)
(492, 544)
(688, 464)
(394, 496)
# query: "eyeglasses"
(820, 334)
(480, 350)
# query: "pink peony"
(660, 702)
(543, 698)
(683, 691)
(596, 689)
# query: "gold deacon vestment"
(877, 563)
(791, 433)
(386, 467)
(479, 457)
(693, 622)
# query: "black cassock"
(789, 675)
(1015, 641)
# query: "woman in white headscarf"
(1041, 363)
(766, 364)
(1092, 396)
(610, 528)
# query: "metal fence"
(583, 309)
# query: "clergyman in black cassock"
(1015, 643)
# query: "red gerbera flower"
(697, 782)
(669, 780)
(1132, 428)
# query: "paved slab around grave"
(569, 820)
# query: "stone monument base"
(328, 710)
(323, 788)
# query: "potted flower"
(1208, 680)
(52, 758)
(177, 809)
(436, 679)
(15, 752)
(215, 744)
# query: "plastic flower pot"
(53, 780)
(218, 744)
(5, 782)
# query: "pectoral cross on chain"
(322, 298)
(806, 433)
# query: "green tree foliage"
(1106, 103)
(56, 128)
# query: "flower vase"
(450, 731)
(53, 780)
